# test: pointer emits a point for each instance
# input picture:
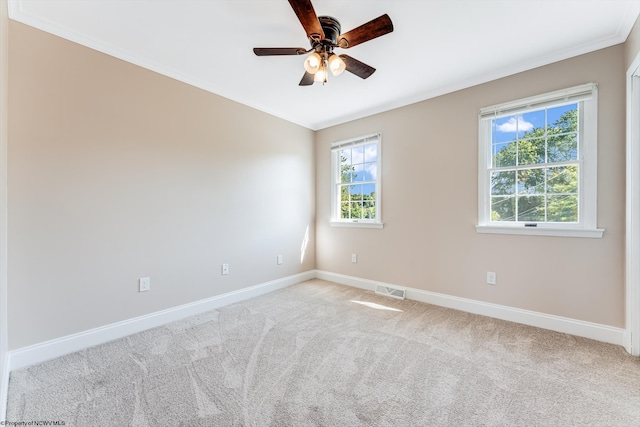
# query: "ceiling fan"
(324, 35)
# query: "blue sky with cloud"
(506, 129)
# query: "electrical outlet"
(225, 269)
(491, 278)
(144, 284)
(354, 258)
(279, 259)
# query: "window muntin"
(356, 181)
(537, 165)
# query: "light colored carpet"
(319, 353)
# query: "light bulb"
(336, 65)
(312, 63)
(321, 75)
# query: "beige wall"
(116, 173)
(429, 196)
(632, 45)
(4, 51)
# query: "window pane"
(504, 154)
(369, 201)
(357, 155)
(503, 208)
(531, 181)
(344, 193)
(344, 210)
(562, 119)
(369, 190)
(345, 156)
(370, 171)
(532, 123)
(562, 179)
(563, 148)
(504, 129)
(345, 165)
(531, 151)
(531, 208)
(562, 208)
(356, 192)
(370, 153)
(369, 208)
(503, 183)
(358, 173)
(356, 210)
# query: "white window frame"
(586, 96)
(336, 221)
(632, 335)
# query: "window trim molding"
(335, 202)
(356, 224)
(595, 233)
(587, 97)
(632, 243)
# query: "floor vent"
(390, 291)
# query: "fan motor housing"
(331, 28)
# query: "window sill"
(356, 224)
(593, 233)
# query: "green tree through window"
(535, 175)
(355, 174)
(357, 177)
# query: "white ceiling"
(437, 46)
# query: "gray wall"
(117, 173)
(429, 203)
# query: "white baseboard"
(47, 350)
(4, 387)
(628, 344)
(595, 331)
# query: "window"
(537, 165)
(355, 186)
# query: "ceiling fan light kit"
(312, 63)
(336, 64)
(321, 75)
(324, 35)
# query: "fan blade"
(308, 18)
(267, 51)
(356, 67)
(307, 79)
(375, 28)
